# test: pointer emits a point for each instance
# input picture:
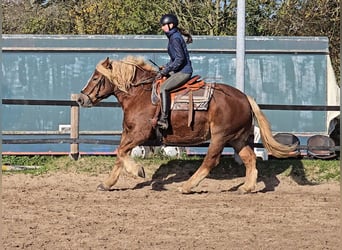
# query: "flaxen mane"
(121, 73)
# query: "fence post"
(74, 130)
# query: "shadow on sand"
(178, 170)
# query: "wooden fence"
(75, 141)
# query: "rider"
(179, 67)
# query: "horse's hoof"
(243, 190)
(182, 190)
(141, 172)
(101, 187)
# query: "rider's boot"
(163, 122)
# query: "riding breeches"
(174, 81)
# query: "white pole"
(240, 54)
(240, 45)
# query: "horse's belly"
(184, 135)
(177, 141)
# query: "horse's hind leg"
(248, 157)
(211, 160)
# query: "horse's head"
(97, 88)
(114, 77)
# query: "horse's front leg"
(112, 178)
(124, 161)
(131, 166)
(130, 139)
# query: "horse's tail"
(275, 148)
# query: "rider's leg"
(174, 81)
(166, 102)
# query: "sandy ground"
(64, 211)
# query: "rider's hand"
(159, 76)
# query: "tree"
(308, 18)
(12, 24)
(115, 17)
(200, 17)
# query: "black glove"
(159, 76)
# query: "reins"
(123, 73)
(141, 82)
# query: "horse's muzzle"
(84, 101)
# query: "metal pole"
(240, 46)
(240, 55)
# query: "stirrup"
(163, 124)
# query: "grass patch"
(41, 162)
(301, 170)
(26, 160)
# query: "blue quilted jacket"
(178, 52)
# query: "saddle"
(195, 94)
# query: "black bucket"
(288, 139)
(321, 147)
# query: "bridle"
(100, 84)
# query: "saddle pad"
(200, 98)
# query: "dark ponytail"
(186, 34)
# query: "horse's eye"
(95, 78)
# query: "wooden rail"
(116, 104)
(74, 139)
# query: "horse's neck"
(136, 95)
(140, 91)
(144, 75)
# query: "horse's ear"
(110, 66)
(107, 63)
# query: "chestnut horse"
(228, 120)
